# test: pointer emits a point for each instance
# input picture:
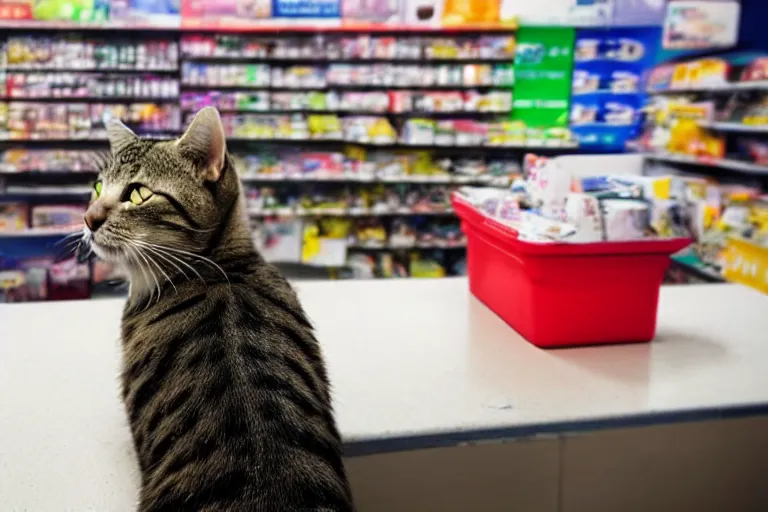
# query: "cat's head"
(156, 200)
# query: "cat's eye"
(137, 194)
(96, 190)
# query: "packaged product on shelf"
(316, 47)
(21, 160)
(223, 46)
(279, 240)
(437, 102)
(506, 133)
(422, 12)
(48, 216)
(325, 127)
(503, 75)
(241, 101)
(370, 233)
(369, 129)
(368, 101)
(419, 132)
(402, 234)
(294, 127)
(619, 113)
(87, 85)
(624, 82)
(585, 81)
(295, 77)
(322, 164)
(503, 172)
(228, 75)
(585, 112)
(14, 217)
(373, 11)
(62, 121)
(755, 70)
(754, 150)
(35, 52)
(495, 101)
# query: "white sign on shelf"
(696, 24)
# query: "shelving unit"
(715, 163)
(713, 119)
(734, 127)
(754, 85)
(468, 82)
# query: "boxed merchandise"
(14, 217)
(32, 274)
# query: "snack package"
(13, 217)
(625, 219)
(583, 212)
(548, 184)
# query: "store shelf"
(416, 246)
(58, 173)
(91, 70)
(412, 114)
(340, 87)
(342, 212)
(272, 26)
(756, 85)
(605, 91)
(82, 141)
(702, 272)
(96, 142)
(734, 127)
(298, 178)
(90, 99)
(400, 145)
(352, 178)
(46, 191)
(731, 165)
(315, 61)
(40, 232)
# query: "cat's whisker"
(146, 274)
(193, 255)
(152, 261)
(169, 255)
(166, 258)
(68, 238)
(151, 273)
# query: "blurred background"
(353, 121)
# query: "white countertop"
(413, 363)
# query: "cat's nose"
(95, 216)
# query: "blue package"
(624, 82)
(584, 112)
(618, 113)
(585, 82)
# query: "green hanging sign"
(543, 74)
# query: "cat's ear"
(119, 135)
(205, 139)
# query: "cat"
(223, 381)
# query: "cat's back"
(229, 404)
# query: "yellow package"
(747, 263)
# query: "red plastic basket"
(565, 295)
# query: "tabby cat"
(223, 381)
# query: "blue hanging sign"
(306, 9)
